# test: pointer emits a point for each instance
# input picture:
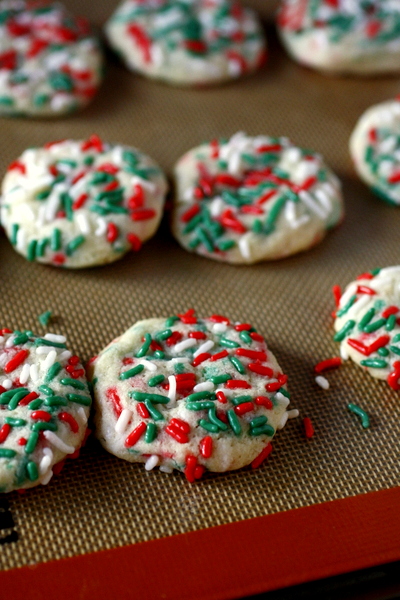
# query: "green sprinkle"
(41, 247)
(205, 239)
(234, 422)
(35, 404)
(61, 82)
(394, 349)
(44, 426)
(43, 195)
(7, 453)
(245, 337)
(78, 385)
(55, 401)
(284, 392)
(5, 397)
(44, 342)
(32, 470)
(228, 343)
(258, 421)
(241, 399)
(85, 400)
(41, 99)
(396, 338)
(142, 396)
(375, 325)
(347, 307)
(171, 321)
(45, 318)
(145, 348)
(16, 398)
(53, 372)
(212, 415)
(15, 422)
(225, 245)
(31, 251)
(200, 405)
(14, 233)
(130, 158)
(131, 373)
(374, 363)
(179, 368)
(273, 214)
(211, 427)
(6, 101)
(163, 335)
(200, 396)
(74, 244)
(55, 240)
(257, 226)
(151, 433)
(262, 430)
(21, 339)
(217, 379)
(360, 413)
(32, 441)
(347, 327)
(159, 354)
(384, 352)
(101, 177)
(390, 323)
(156, 380)
(239, 366)
(45, 389)
(156, 415)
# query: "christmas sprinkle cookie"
(343, 36)
(45, 404)
(249, 199)
(50, 61)
(375, 149)
(368, 323)
(81, 203)
(190, 42)
(189, 394)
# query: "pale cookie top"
(187, 42)
(50, 62)
(45, 403)
(348, 35)
(375, 149)
(368, 323)
(81, 203)
(187, 393)
(247, 199)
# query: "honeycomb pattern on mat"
(101, 502)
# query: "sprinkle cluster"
(368, 323)
(44, 406)
(377, 21)
(50, 63)
(244, 186)
(192, 32)
(195, 382)
(81, 203)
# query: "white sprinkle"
(244, 245)
(147, 185)
(172, 388)
(82, 222)
(219, 327)
(322, 382)
(152, 462)
(226, 391)
(179, 360)
(44, 464)
(65, 355)
(282, 399)
(10, 342)
(41, 215)
(46, 478)
(58, 443)
(123, 420)
(184, 345)
(101, 226)
(45, 349)
(166, 469)
(283, 421)
(82, 415)
(308, 200)
(344, 352)
(53, 203)
(234, 165)
(7, 384)
(217, 206)
(34, 373)
(203, 348)
(58, 339)
(148, 365)
(351, 290)
(21, 240)
(49, 360)
(206, 386)
(23, 378)
(293, 414)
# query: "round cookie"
(196, 42)
(45, 404)
(342, 36)
(81, 203)
(375, 149)
(368, 323)
(50, 61)
(188, 394)
(249, 199)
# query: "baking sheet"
(101, 502)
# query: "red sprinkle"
(308, 427)
(261, 369)
(262, 456)
(134, 242)
(137, 199)
(264, 401)
(17, 166)
(191, 463)
(365, 276)
(74, 360)
(4, 431)
(221, 397)
(329, 363)
(135, 435)
(394, 377)
(201, 358)
(367, 350)
(253, 354)
(233, 384)
(177, 434)
(219, 319)
(364, 289)
(242, 327)
(256, 337)
(244, 408)
(112, 232)
(219, 355)
(16, 361)
(66, 417)
(143, 214)
(190, 213)
(180, 424)
(94, 142)
(390, 310)
(273, 387)
(197, 335)
(337, 294)
(142, 410)
(112, 395)
(174, 338)
(142, 40)
(31, 396)
(21, 442)
(41, 415)
(206, 446)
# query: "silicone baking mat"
(100, 502)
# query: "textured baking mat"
(101, 502)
